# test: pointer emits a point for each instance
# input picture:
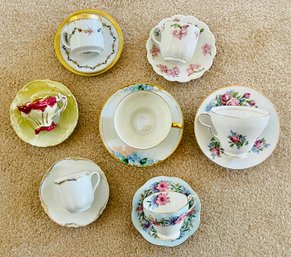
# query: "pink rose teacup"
(167, 211)
(236, 127)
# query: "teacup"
(236, 127)
(44, 113)
(167, 212)
(84, 36)
(76, 191)
(143, 119)
(178, 40)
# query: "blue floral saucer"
(146, 228)
(132, 156)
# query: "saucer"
(199, 63)
(65, 126)
(90, 65)
(137, 157)
(145, 227)
(48, 195)
(265, 143)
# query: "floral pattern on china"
(157, 200)
(163, 186)
(234, 98)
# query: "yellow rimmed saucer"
(97, 64)
(24, 128)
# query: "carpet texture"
(244, 213)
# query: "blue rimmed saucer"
(146, 228)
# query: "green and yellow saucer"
(25, 129)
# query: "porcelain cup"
(167, 212)
(84, 36)
(236, 127)
(76, 191)
(176, 40)
(143, 119)
(44, 113)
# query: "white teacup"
(167, 212)
(84, 36)
(143, 119)
(76, 191)
(44, 113)
(236, 127)
(178, 40)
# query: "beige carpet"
(244, 213)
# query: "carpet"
(244, 213)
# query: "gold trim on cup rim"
(89, 13)
(179, 140)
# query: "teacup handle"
(177, 125)
(190, 197)
(153, 35)
(98, 179)
(63, 100)
(206, 125)
(64, 36)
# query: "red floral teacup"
(176, 40)
(44, 113)
(236, 127)
(167, 212)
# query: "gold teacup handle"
(177, 125)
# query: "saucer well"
(265, 143)
(139, 157)
(90, 65)
(49, 198)
(66, 124)
(200, 62)
(146, 228)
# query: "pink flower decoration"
(233, 102)
(252, 103)
(39, 104)
(206, 49)
(234, 139)
(225, 98)
(176, 19)
(259, 143)
(139, 209)
(163, 68)
(193, 68)
(90, 31)
(155, 223)
(215, 151)
(155, 51)
(247, 95)
(180, 33)
(162, 186)
(162, 199)
(181, 218)
(174, 72)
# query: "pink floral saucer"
(200, 62)
(238, 96)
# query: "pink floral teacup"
(167, 211)
(176, 40)
(236, 127)
(44, 113)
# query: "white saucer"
(48, 196)
(269, 138)
(199, 63)
(146, 229)
(93, 64)
(131, 156)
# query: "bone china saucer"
(68, 119)
(90, 65)
(200, 62)
(49, 198)
(146, 228)
(132, 156)
(238, 96)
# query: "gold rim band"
(177, 125)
